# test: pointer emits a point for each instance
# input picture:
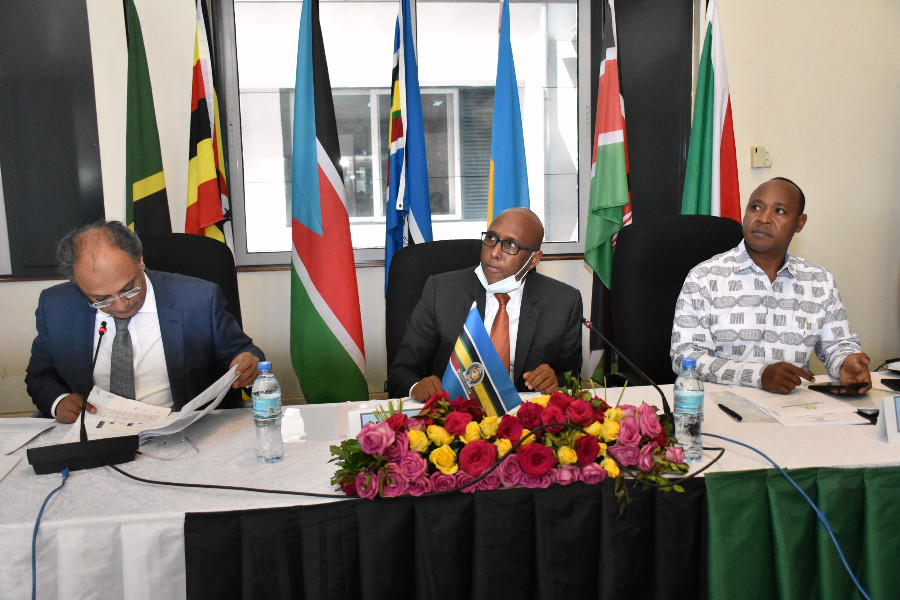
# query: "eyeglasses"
(508, 246)
(108, 302)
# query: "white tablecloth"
(106, 536)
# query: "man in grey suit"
(544, 314)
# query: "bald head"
(527, 224)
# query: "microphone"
(84, 454)
(666, 410)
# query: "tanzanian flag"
(476, 372)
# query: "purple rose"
(628, 410)
(396, 451)
(490, 482)
(675, 454)
(441, 482)
(367, 484)
(566, 474)
(374, 438)
(648, 420)
(510, 471)
(580, 412)
(464, 479)
(552, 414)
(629, 433)
(420, 485)
(531, 481)
(413, 465)
(417, 423)
(645, 457)
(394, 482)
(625, 455)
(593, 473)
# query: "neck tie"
(500, 330)
(121, 373)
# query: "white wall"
(816, 82)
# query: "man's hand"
(542, 379)
(426, 388)
(68, 409)
(782, 377)
(246, 371)
(854, 370)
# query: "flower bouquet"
(551, 439)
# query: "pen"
(731, 413)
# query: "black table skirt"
(562, 542)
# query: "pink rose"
(509, 428)
(396, 451)
(367, 484)
(456, 423)
(463, 481)
(394, 483)
(648, 420)
(566, 474)
(441, 482)
(397, 421)
(419, 424)
(477, 457)
(552, 414)
(459, 405)
(374, 438)
(645, 457)
(628, 410)
(625, 455)
(629, 432)
(580, 412)
(420, 485)
(490, 482)
(675, 454)
(533, 481)
(593, 473)
(510, 471)
(413, 465)
(560, 401)
(536, 459)
(530, 414)
(588, 449)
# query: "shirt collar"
(745, 262)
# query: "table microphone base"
(83, 455)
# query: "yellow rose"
(489, 427)
(444, 458)
(503, 446)
(439, 435)
(418, 441)
(566, 455)
(611, 467)
(594, 429)
(473, 432)
(528, 438)
(542, 400)
(614, 414)
(602, 449)
(610, 431)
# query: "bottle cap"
(687, 363)
(265, 365)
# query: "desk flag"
(326, 329)
(408, 210)
(476, 372)
(146, 201)
(508, 182)
(711, 177)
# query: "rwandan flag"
(326, 329)
(508, 184)
(146, 202)
(476, 372)
(408, 211)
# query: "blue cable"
(65, 475)
(819, 513)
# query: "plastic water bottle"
(689, 411)
(267, 415)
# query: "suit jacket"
(549, 328)
(200, 338)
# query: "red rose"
(536, 459)
(459, 405)
(662, 440)
(552, 414)
(600, 407)
(509, 428)
(348, 486)
(560, 400)
(456, 422)
(475, 410)
(530, 414)
(588, 449)
(397, 421)
(431, 407)
(477, 457)
(580, 412)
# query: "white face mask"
(504, 286)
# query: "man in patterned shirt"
(754, 315)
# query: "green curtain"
(765, 540)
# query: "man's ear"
(801, 222)
(535, 259)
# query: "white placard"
(888, 427)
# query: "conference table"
(739, 530)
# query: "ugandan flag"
(146, 202)
(476, 372)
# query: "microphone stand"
(666, 409)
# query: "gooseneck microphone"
(666, 409)
(84, 454)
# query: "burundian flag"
(326, 329)
(476, 372)
(711, 178)
(508, 183)
(408, 211)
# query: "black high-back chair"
(410, 267)
(651, 260)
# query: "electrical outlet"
(758, 156)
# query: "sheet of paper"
(116, 407)
(803, 407)
(15, 433)
(7, 463)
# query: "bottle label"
(688, 402)
(266, 408)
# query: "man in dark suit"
(544, 327)
(183, 339)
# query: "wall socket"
(759, 157)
